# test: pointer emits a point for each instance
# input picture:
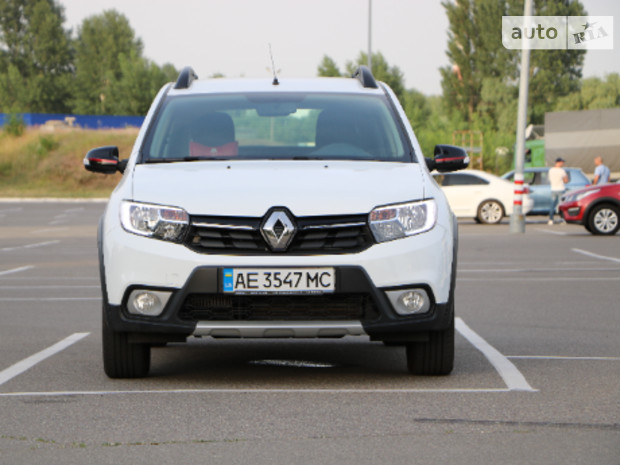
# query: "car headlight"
(157, 221)
(402, 220)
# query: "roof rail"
(186, 77)
(364, 75)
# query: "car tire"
(434, 357)
(604, 219)
(490, 212)
(121, 359)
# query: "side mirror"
(448, 158)
(104, 160)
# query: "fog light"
(149, 303)
(409, 301)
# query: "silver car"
(540, 189)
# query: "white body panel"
(250, 188)
(306, 189)
(465, 199)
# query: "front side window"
(275, 126)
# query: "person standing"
(601, 172)
(558, 177)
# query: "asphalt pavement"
(536, 378)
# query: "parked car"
(480, 195)
(540, 190)
(596, 207)
(292, 208)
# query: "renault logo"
(278, 230)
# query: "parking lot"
(536, 377)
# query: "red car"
(595, 207)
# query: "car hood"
(612, 190)
(251, 188)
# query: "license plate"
(279, 280)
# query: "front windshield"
(270, 126)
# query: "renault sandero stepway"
(277, 209)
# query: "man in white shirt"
(558, 177)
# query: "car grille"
(315, 235)
(217, 307)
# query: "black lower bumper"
(375, 313)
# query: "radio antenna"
(275, 81)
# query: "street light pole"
(517, 220)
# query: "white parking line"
(16, 270)
(533, 270)
(557, 233)
(541, 279)
(11, 210)
(50, 286)
(562, 357)
(29, 246)
(17, 369)
(39, 231)
(252, 391)
(49, 299)
(514, 380)
(595, 255)
(506, 369)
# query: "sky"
(233, 37)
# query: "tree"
(35, 57)
(476, 53)
(480, 84)
(417, 109)
(140, 80)
(102, 41)
(328, 68)
(554, 73)
(381, 70)
(594, 94)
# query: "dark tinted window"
(270, 125)
(462, 179)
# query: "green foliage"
(594, 94)
(102, 72)
(381, 70)
(46, 144)
(328, 68)
(102, 41)
(14, 125)
(481, 84)
(498, 105)
(480, 63)
(112, 76)
(35, 56)
(139, 82)
(553, 73)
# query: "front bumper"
(129, 262)
(572, 212)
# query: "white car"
(284, 209)
(480, 195)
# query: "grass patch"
(43, 164)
